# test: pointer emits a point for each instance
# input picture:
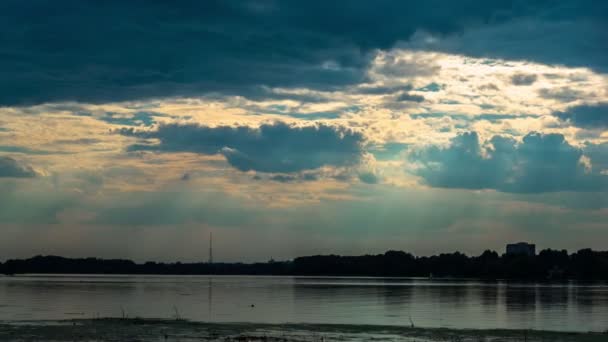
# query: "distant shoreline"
(549, 282)
(548, 265)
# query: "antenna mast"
(210, 247)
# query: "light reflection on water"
(376, 301)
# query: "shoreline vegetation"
(585, 264)
(136, 329)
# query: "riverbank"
(116, 329)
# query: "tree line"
(584, 264)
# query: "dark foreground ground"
(111, 329)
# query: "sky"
(133, 129)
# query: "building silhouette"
(521, 248)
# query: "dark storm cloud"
(571, 33)
(523, 79)
(587, 116)
(9, 167)
(541, 163)
(274, 147)
(122, 50)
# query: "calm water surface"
(383, 301)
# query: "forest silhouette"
(585, 264)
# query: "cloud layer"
(587, 116)
(79, 51)
(9, 167)
(540, 163)
(276, 147)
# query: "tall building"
(521, 248)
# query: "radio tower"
(210, 247)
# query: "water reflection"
(210, 298)
(552, 296)
(424, 302)
(488, 296)
(397, 301)
(520, 298)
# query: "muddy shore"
(114, 329)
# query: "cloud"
(570, 33)
(24, 150)
(283, 178)
(407, 97)
(367, 89)
(431, 87)
(136, 119)
(276, 147)
(369, 178)
(488, 117)
(137, 50)
(388, 151)
(586, 116)
(540, 163)
(80, 141)
(598, 153)
(523, 79)
(489, 86)
(9, 167)
(561, 94)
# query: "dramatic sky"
(134, 128)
